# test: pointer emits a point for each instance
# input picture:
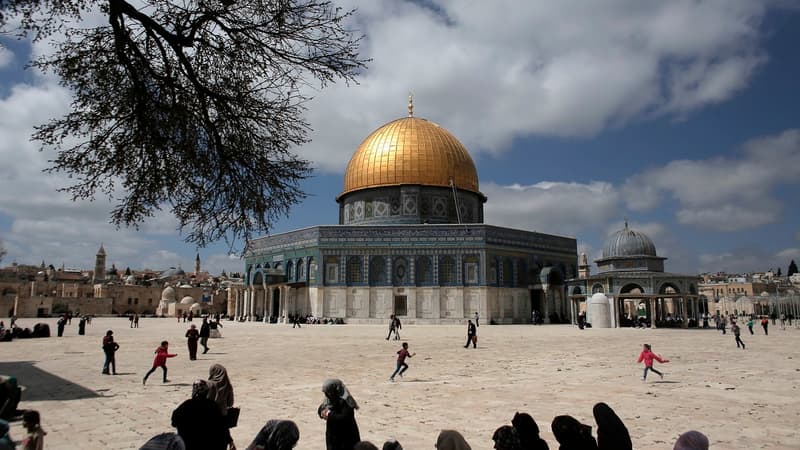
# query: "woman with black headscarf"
(276, 435)
(200, 423)
(338, 410)
(528, 432)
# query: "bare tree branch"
(189, 105)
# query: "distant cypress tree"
(792, 269)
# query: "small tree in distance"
(792, 269)
(191, 105)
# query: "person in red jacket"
(162, 353)
(648, 356)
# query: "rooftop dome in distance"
(410, 150)
(172, 272)
(168, 294)
(628, 242)
(188, 300)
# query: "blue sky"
(679, 116)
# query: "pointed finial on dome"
(410, 104)
(626, 223)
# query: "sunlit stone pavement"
(739, 399)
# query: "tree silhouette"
(189, 105)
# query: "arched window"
(423, 271)
(377, 271)
(522, 273)
(471, 269)
(354, 275)
(400, 272)
(491, 272)
(508, 272)
(331, 270)
(447, 270)
(312, 270)
(289, 271)
(301, 270)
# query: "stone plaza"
(739, 399)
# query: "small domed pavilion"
(631, 275)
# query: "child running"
(162, 353)
(402, 354)
(648, 356)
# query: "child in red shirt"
(648, 356)
(162, 353)
(402, 354)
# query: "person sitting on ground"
(506, 438)
(220, 389)
(276, 435)
(392, 444)
(573, 435)
(164, 441)
(200, 423)
(691, 440)
(451, 440)
(528, 432)
(35, 438)
(611, 432)
(365, 445)
(6, 443)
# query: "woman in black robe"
(338, 410)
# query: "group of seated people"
(521, 434)
(7, 334)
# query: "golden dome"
(410, 151)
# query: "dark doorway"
(537, 303)
(276, 304)
(400, 305)
(42, 312)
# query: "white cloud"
(560, 208)
(6, 56)
(493, 71)
(725, 193)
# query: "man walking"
(477, 319)
(205, 332)
(736, 334)
(472, 335)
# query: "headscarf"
(277, 435)
(611, 432)
(528, 432)
(506, 438)
(335, 391)
(451, 440)
(164, 441)
(573, 435)
(199, 389)
(392, 444)
(219, 387)
(691, 440)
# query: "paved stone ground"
(740, 399)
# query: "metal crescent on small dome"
(410, 104)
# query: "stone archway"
(633, 305)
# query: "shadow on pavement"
(40, 385)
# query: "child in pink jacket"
(648, 356)
(162, 353)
